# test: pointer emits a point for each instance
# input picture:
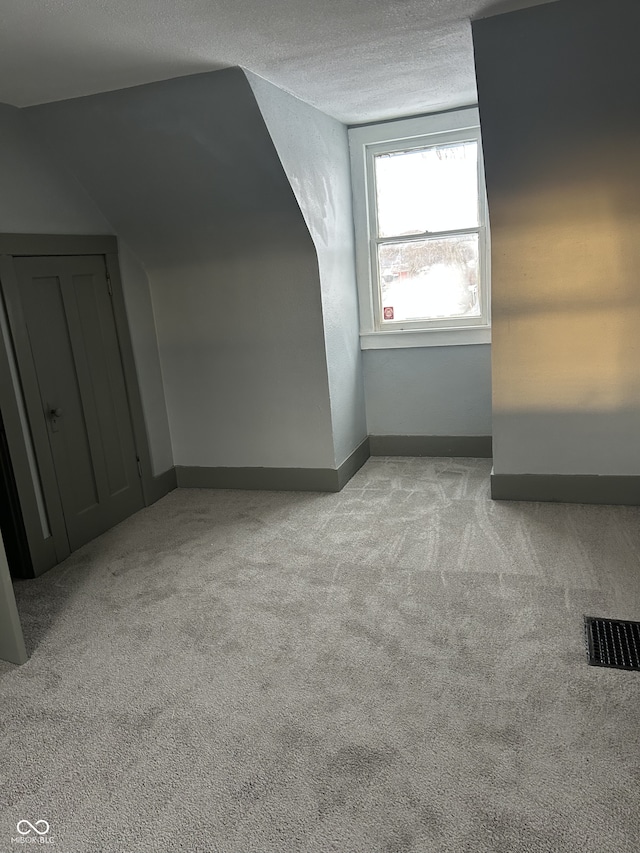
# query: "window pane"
(429, 279)
(430, 189)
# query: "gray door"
(73, 338)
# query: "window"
(422, 243)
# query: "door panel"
(58, 383)
(74, 343)
(105, 367)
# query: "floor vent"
(612, 642)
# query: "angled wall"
(187, 174)
(314, 151)
(558, 93)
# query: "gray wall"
(39, 196)
(144, 339)
(558, 92)
(314, 151)
(187, 174)
(429, 391)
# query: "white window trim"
(368, 140)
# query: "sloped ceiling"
(356, 60)
(174, 175)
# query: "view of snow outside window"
(427, 194)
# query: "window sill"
(401, 338)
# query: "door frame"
(12, 647)
(46, 551)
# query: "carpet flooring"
(398, 668)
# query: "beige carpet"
(398, 668)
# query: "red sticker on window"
(388, 313)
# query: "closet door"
(72, 333)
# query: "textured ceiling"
(357, 60)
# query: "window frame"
(367, 141)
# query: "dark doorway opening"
(11, 522)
